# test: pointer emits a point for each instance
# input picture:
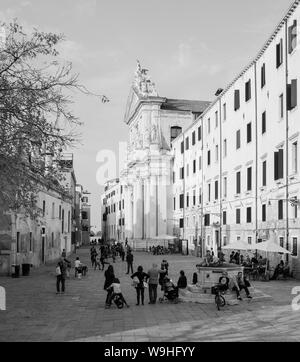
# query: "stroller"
(170, 291)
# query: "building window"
(217, 153)
(225, 187)
(264, 213)
(249, 178)
(238, 216)
(280, 209)
(52, 240)
(263, 75)
(238, 182)
(181, 223)
(216, 190)
(123, 204)
(63, 221)
(279, 53)
(278, 165)
(281, 106)
(208, 125)
(224, 240)
(292, 95)
(200, 163)
(295, 206)
(208, 158)
(193, 138)
(174, 178)
(44, 208)
(225, 148)
(249, 216)
(194, 197)
(249, 133)
(238, 139)
(264, 173)
(224, 112)
(236, 99)
(175, 132)
(187, 200)
(174, 203)
(199, 133)
(200, 196)
(59, 212)
(181, 201)
(295, 247)
(292, 37)
(264, 123)
(187, 170)
(295, 157)
(281, 241)
(224, 218)
(249, 240)
(209, 187)
(181, 173)
(187, 143)
(207, 220)
(248, 90)
(194, 166)
(69, 221)
(182, 147)
(30, 242)
(217, 118)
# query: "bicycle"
(219, 299)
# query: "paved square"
(35, 313)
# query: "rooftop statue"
(142, 82)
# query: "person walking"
(109, 279)
(182, 281)
(129, 260)
(140, 287)
(154, 274)
(61, 271)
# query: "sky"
(191, 48)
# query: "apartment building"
(237, 167)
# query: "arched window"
(175, 132)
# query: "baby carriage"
(170, 291)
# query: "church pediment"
(142, 89)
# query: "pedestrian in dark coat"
(61, 273)
(140, 287)
(109, 278)
(129, 260)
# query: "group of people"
(141, 280)
(237, 284)
(159, 250)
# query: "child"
(116, 287)
(77, 267)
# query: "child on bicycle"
(116, 287)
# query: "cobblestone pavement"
(35, 313)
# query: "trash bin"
(25, 269)
(15, 272)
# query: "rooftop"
(185, 105)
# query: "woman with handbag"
(142, 278)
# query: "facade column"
(138, 210)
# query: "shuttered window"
(238, 139)
(249, 179)
(238, 182)
(248, 90)
(264, 214)
(182, 147)
(199, 133)
(263, 75)
(280, 209)
(292, 95)
(193, 138)
(181, 201)
(238, 216)
(249, 133)
(216, 190)
(279, 53)
(292, 37)
(264, 173)
(264, 123)
(278, 165)
(236, 99)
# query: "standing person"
(154, 274)
(64, 254)
(122, 252)
(77, 266)
(61, 271)
(182, 281)
(140, 288)
(93, 255)
(165, 266)
(109, 279)
(129, 260)
(126, 242)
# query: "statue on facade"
(142, 82)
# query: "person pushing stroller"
(170, 291)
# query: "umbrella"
(271, 247)
(237, 245)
